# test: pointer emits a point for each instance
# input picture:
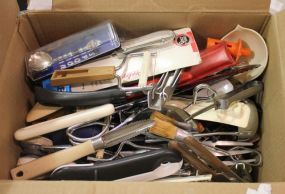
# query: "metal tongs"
(223, 101)
(163, 90)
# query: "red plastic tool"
(214, 60)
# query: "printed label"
(182, 40)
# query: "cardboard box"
(20, 34)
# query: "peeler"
(136, 46)
(50, 162)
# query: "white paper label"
(37, 5)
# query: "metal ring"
(200, 87)
(258, 154)
(236, 160)
(77, 140)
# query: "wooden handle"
(146, 66)
(162, 117)
(163, 129)
(41, 141)
(39, 111)
(191, 159)
(73, 76)
(100, 154)
(206, 155)
(64, 122)
(48, 163)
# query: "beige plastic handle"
(64, 122)
(50, 162)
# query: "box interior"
(26, 32)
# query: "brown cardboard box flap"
(281, 30)
(8, 15)
(272, 142)
(15, 95)
(51, 26)
(74, 187)
(161, 5)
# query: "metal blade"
(154, 39)
(227, 143)
(201, 111)
(124, 133)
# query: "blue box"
(72, 50)
(46, 84)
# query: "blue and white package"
(72, 50)
(47, 85)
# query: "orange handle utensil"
(236, 48)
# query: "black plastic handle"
(118, 169)
(72, 99)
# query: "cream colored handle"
(50, 162)
(146, 66)
(64, 122)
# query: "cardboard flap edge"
(160, 5)
(8, 23)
